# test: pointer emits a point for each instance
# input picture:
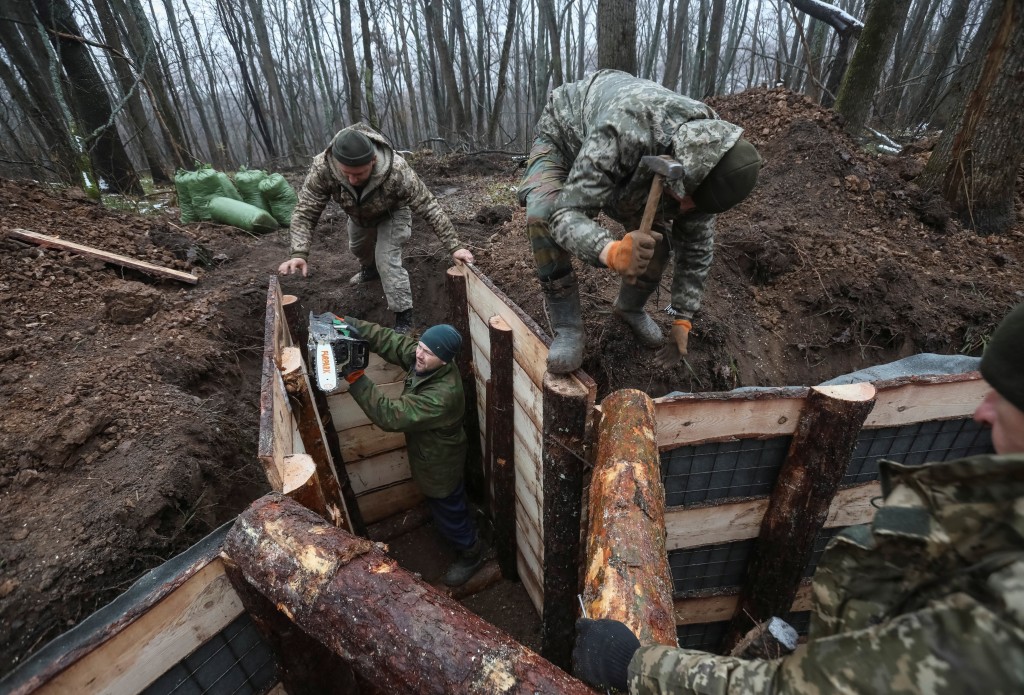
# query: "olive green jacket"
(430, 410)
(928, 598)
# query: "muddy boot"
(562, 299)
(403, 322)
(368, 273)
(629, 306)
(466, 564)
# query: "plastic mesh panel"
(742, 468)
(709, 567)
(235, 661)
(704, 636)
(936, 440)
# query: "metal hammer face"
(664, 165)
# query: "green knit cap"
(730, 181)
(1002, 365)
(352, 148)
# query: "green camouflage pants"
(382, 246)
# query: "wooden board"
(694, 527)
(528, 521)
(379, 371)
(105, 256)
(380, 504)
(714, 609)
(161, 637)
(368, 440)
(346, 413)
(527, 395)
(531, 583)
(690, 420)
(379, 471)
(931, 398)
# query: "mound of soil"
(132, 404)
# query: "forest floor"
(131, 405)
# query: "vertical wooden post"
(293, 315)
(567, 404)
(627, 573)
(458, 316)
(501, 434)
(818, 456)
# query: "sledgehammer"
(665, 169)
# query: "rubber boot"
(562, 298)
(403, 322)
(629, 306)
(368, 273)
(466, 564)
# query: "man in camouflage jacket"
(379, 191)
(430, 412)
(928, 598)
(586, 159)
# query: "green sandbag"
(280, 197)
(247, 181)
(207, 184)
(240, 214)
(183, 185)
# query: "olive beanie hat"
(1002, 365)
(352, 148)
(730, 181)
(442, 340)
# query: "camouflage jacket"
(928, 598)
(392, 185)
(604, 125)
(430, 411)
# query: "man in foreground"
(379, 191)
(586, 159)
(928, 598)
(430, 412)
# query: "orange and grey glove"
(631, 256)
(674, 349)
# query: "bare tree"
(847, 28)
(499, 95)
(714, 47)
(616, 35)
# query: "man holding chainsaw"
(379, 191)
(430, 412)
(586, 159)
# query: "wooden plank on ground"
(927, 398)
(698, 418)
(380, 504)
(52, 242)
(379, 471)
(162, 636)
(719, 608)
(346, 413)
(693, 527)
(368, 440)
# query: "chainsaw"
(334, 346)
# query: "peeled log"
(391, 628)
(628, 577)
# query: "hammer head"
(664, 166)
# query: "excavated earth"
(131, 403)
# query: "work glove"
(675, 347)
(630, 256)
(602, 653)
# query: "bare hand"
(294, 265)
(678, 341)
(463, 256)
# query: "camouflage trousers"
(382, 246)
(546, 172)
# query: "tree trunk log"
(501, 432)
(566, 408)
(458, 307)
(391, 628)
(818, 456)
(627, 576)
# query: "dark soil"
(131, 404)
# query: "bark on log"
(627, 576)
(501, 433)
(458, 316)
(567, 405)
(390, 627)
(818, 456)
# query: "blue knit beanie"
(442, 340)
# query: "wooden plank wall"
(695, 419)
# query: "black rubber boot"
(368, 273)
(403, 322)
(629, 306)
(562, 299)
(466, 564)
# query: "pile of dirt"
(131, 413)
